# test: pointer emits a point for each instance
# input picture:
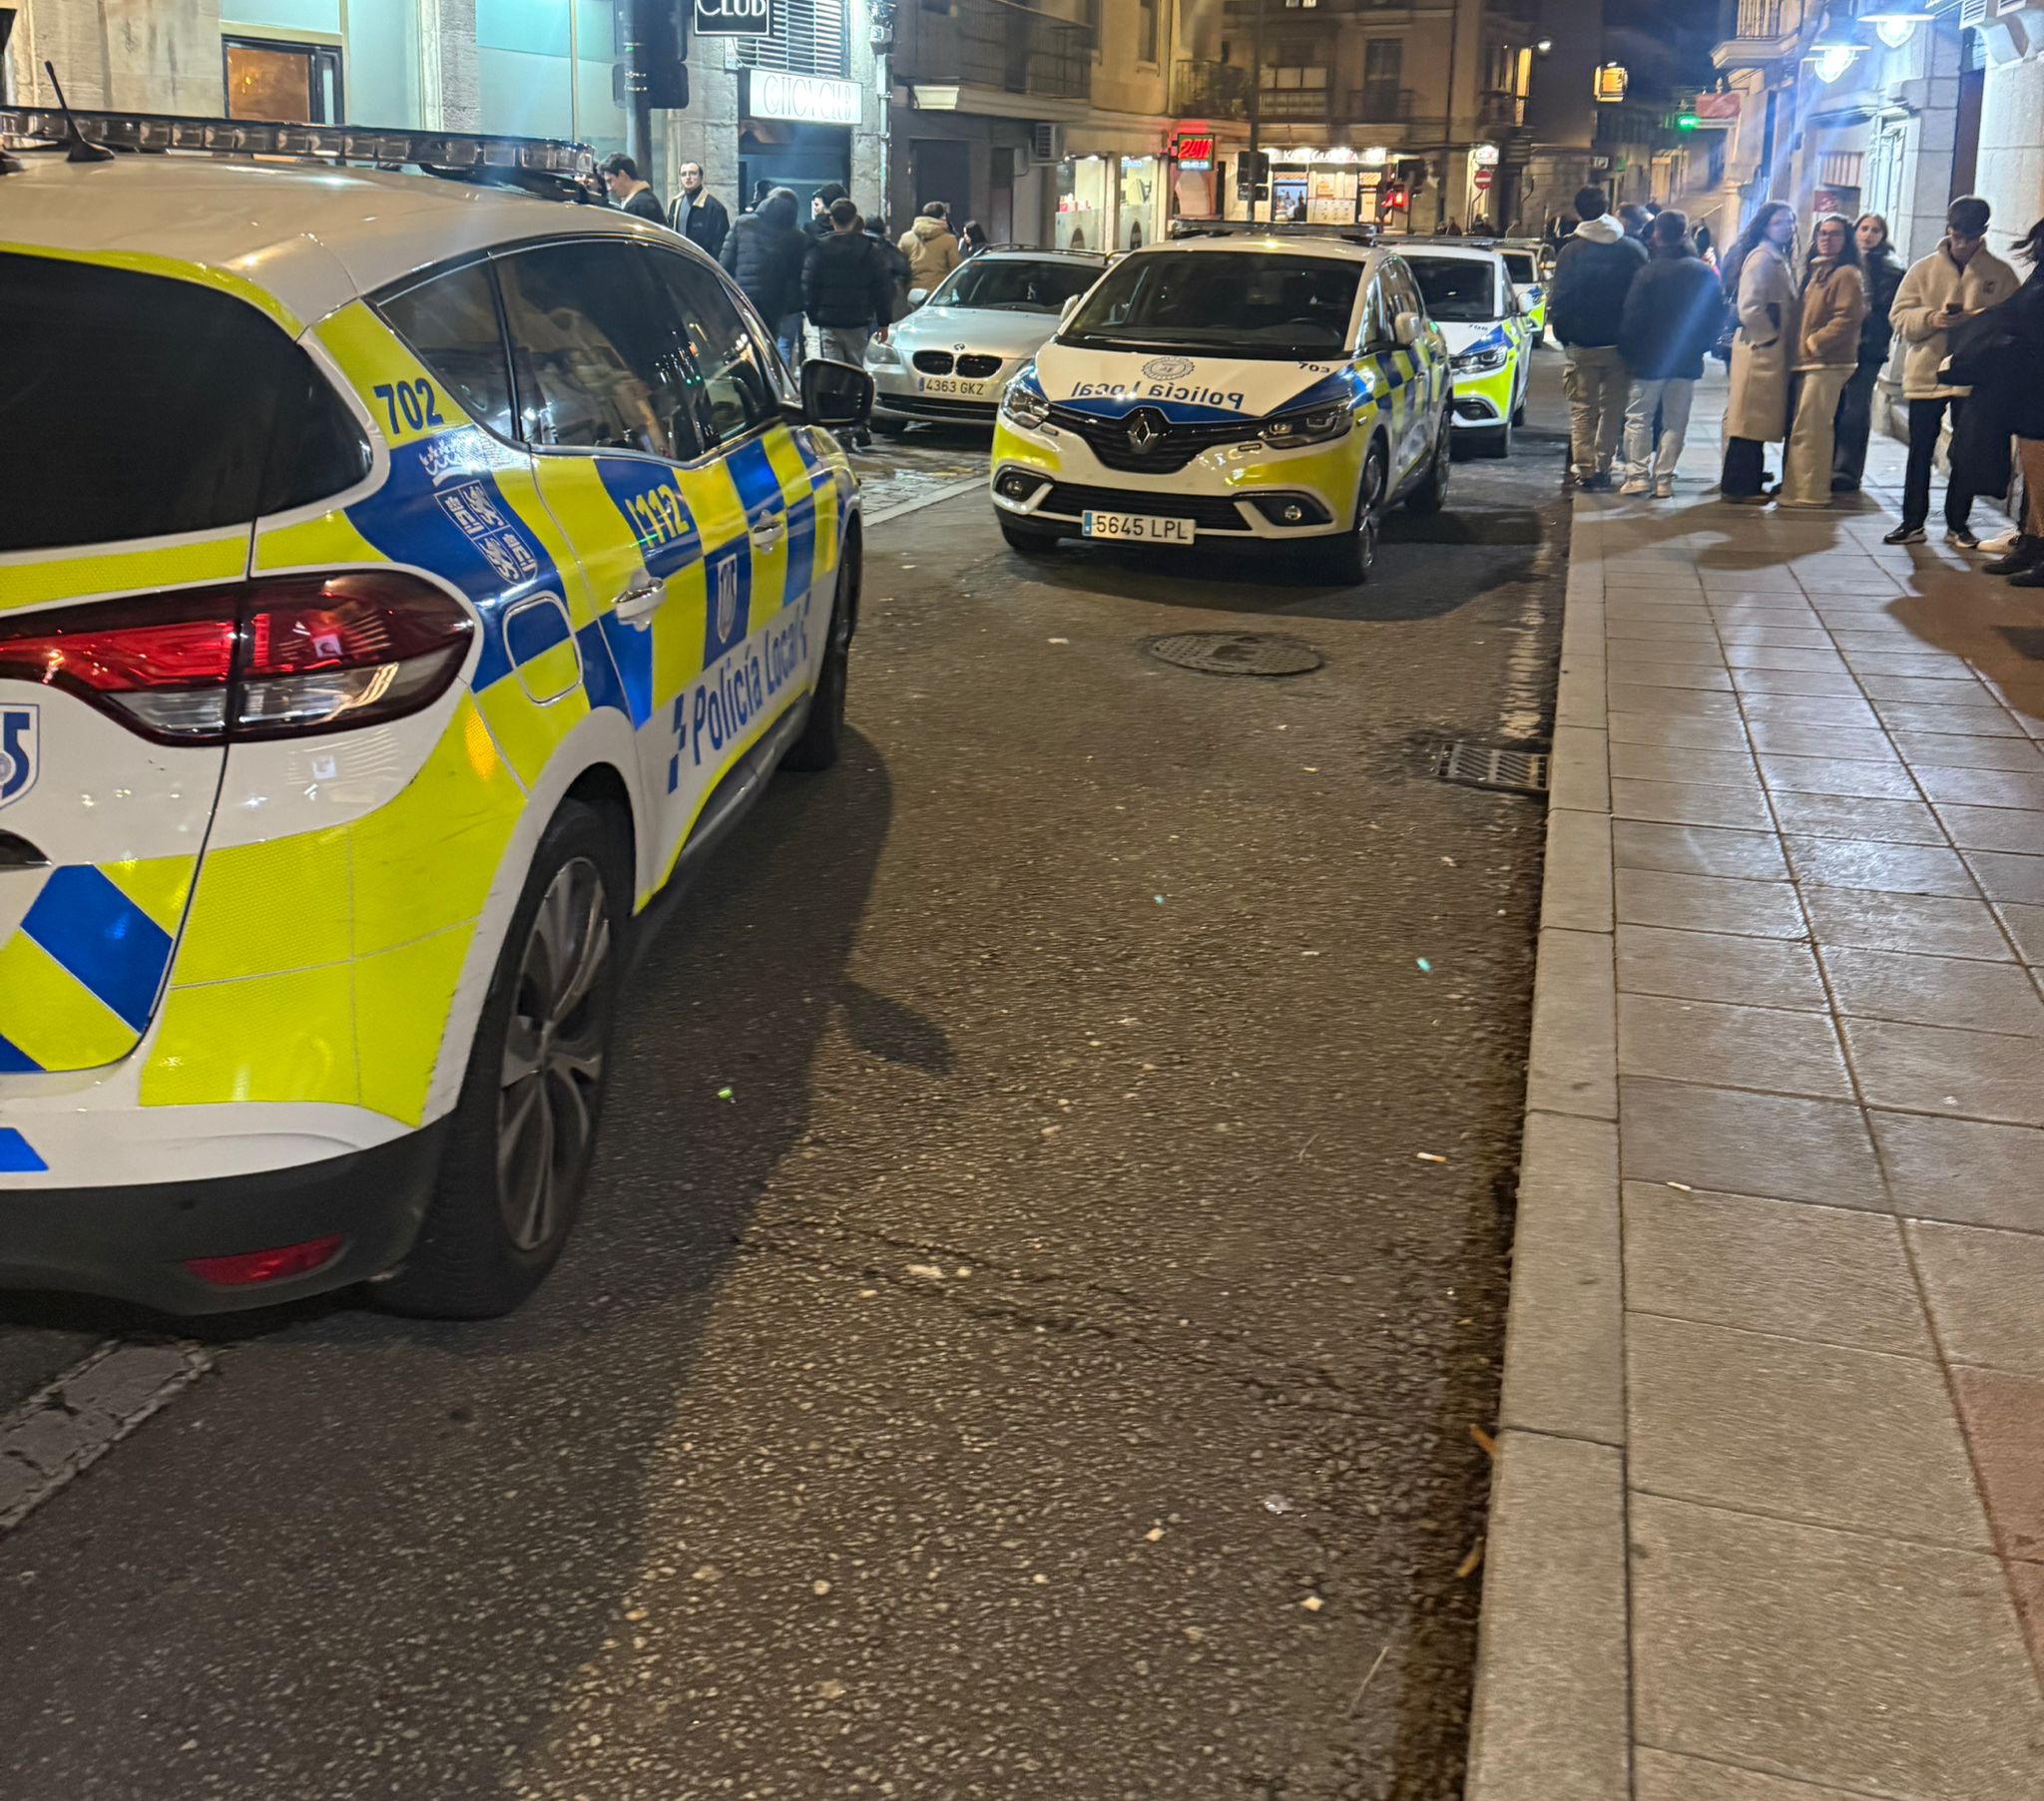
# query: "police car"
(1490, 343)
(1526, 262)
(1258, 388)
(402, 582)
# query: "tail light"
(279, 658)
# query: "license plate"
(949, 384)
(1136, 528)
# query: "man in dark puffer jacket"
(765, 254)
(1672, 313)
(1585, 302)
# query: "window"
(806, 37)
(451, 324)
(299, 84)
(1383, 69)
(1015, 284)
(1146, 31)
(1458, 289)
(599, 365)
(133, 406)
(733, 390)
(1252, 305)
(1376, 318)
(1401, 293)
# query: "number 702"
(414, 400)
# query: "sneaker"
(1594, 484)
(2030, 578)
(1962, 536)
(1663, 487)
(1905, 533)
(2000, 547)
(1635, 484)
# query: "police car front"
(1483, 320)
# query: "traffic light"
(1395, 198)
(1687, 121)
(660, 51)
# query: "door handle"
(637, 604)
(766, 533)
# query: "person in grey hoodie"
(1586, 306)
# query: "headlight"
(1318, 427)
(1475, 362)
(1024, 405)
(880, 355)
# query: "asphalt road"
(1050, 1373)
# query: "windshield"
(1248, 303)
(1016, 286)
(1458, 289)
(1519, 266)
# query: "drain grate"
(1236, 652)
(2028, 641)
(1500, 766)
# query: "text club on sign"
(809, 99)
(733, 18)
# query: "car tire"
(1350, 560)
(1031, 541)
(1519, 409)
(822, 735)
(1496, 441)
(519, 1148)
(1432, 493)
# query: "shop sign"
(1608, 82)
(733, 18)
(1192, 147)
(1484, 156)
(809, 99)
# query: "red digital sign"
(1192, 147)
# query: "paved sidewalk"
(1769, 1520)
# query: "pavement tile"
(1703, 903)
(1856, 816)
(1864, 636)
(1986, 721)
(1863, 578)
(1796, 737)
(1575, 887)
(1661, 762)
(1964, 1170)
(1623, 652)
(1875, 863)
(1770, 657)
(1866, 1663)
(1744, 1144)
(1711, 966)
(1662, 1776)
(2004, 1421)
(1676, 729)
(1833, 1275)
(1795, 682)
(1934, 991)
(1653, 629)
(1712, 676)
(1550, 1713)
(2026, 926)
(1993, 827)
(1938, 1068)
(1904, 663)
(1809, 710)
(1773, 636)
(1577, 771)
(1936, 925)
(1954, 751)
(1751, 578)
(1691, 702)
(1887, 781)
(1957, 690)
(1691, 803)
(1983, 1288)
(2007, 877)
(1570, 1066)
(1822, 1433)
(1726, 1046)
(1698, 850)
(1769, 612)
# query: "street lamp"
(1894, 29)
(1831, 61)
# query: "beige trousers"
(1806, 468)
(1595, 381)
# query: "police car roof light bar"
(479, 155)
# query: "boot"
(2033, 577)
(2025, 552)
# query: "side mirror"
(917, 295)
(836, 394)
(1409, 328)
(1069, 306)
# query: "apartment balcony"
(1498, 110)
(1376, 102)
(991, 49)
(1208, 90)
(1764, 32)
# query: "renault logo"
(1146, 427)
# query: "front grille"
(978, 368)
(1210, 513)
(933, 362)
(1169, 451)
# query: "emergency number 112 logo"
(18, 761)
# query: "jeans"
(1854, 425)
(1926, 420)
(1595, 382)
(1746, 461)
(787, 334)
(1807, 458)
(1668, 398)
(843, 343)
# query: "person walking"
(1999, 354)
(1956, 280)
(1882, 270)
(972, 239)
(1769, 311)
(891, 258)
(697, 214)
(1827, 350)
(765, 253)
(1673, 311)
(620, 179)
(1586, 302)
(847, 291)
(1635, 218)
(821, 203)
(931, 250)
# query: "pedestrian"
(760, 190)
(847, 291)
(1450, 230)
(1673, 311)
(972, 239)
(1956, 280)
(1706, 246)
(1827, 350)
(1882, 270)
(820, 203)
(1999, 355)
(931, 249)
(891, 258)
(1586, 303)
(1769, 307)
(1635, 218)
(621, 177)
(697, 214)
(765, 253)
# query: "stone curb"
(1551, 1715)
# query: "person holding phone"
(1959, 279)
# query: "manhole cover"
(1514, 772)
(1237, 653)
(2028, 641)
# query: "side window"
(599, 364)
(737, 391)
(1376, 317)
(450, 322)
(1402, 295)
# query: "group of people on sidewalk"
(1637, 318)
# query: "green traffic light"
(1686, 122)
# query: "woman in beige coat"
(1826, 351)
(1758, 412)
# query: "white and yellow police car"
(1262, 387)
(401, 581)
(1483, 316)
